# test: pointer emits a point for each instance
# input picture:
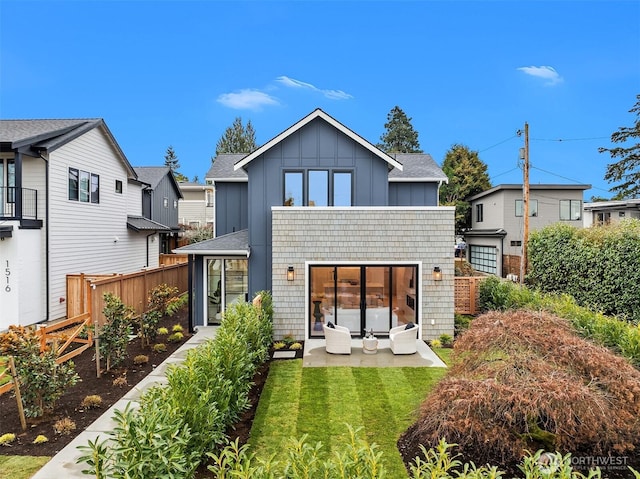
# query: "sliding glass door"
(363, 298)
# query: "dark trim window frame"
(533, 208)
(317, 187)
(119, 186)
(479, 213)
(83, 186)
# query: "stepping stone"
(284, 354)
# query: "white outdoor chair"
(403, 340)
(338, 339)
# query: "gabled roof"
(231, 244)
(534, 186)
(222, 168)
(153, 175)
(318, 113)
(418, 167)
(49, 135)
(139, 223)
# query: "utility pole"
(525, 203)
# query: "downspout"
(190, 296)
(46, 232)
(151, 234)
(502, 256)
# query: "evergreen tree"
(468, 176)
(399, 137)
(627, 169)
(171, 159)
(237, 139)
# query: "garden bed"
(69, 405)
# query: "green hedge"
(621, 336)
(599, 267)
(177, 424)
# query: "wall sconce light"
(437, 274)
(291, 274)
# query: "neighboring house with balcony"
(196, 208)
(160, 197)
(606, 212)
(335, 228)
(70, 203)
(494, 242)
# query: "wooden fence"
(8, 369)
(85, 293)
(467, 294)
(169, 259)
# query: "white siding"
(83, 235)
(133, 194)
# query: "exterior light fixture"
(437, 274)
(291, 274)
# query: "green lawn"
(320, 401)
(21, 467)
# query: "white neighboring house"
(606, 212)
(196, 208)
(70, 203)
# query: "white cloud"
(331, 94)
(546, 72)
(247, 99)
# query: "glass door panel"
(377, 299)
(323, 300)
(236, 284)
(403, 297)
(348, 298)
(214, 291)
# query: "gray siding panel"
(413, 194)
(231, 208)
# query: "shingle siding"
(422, 235)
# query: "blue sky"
(177, 73)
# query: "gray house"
(494, 242)
(335, 228)
(160, 196)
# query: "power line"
(500, 143)
(568, 179)
(504, 173)
(571, 139)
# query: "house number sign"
(7, 273)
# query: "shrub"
(64, 426)
(120, 382)
(526, 381)
(436, 343)
(296, 346)
(446, 340)
(42, 380)
(599, 266)
(140, 359)
(177, 328)
(279, 345)
(7, 439)
(114, 334)
(163, 331)
(159, 348)
(461, 323)
(92, 401)
(175, 337)
(40, 439)
(288, 340)
(161, 301)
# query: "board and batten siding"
(86, 237)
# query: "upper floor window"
(175, 204)
(570, 210)
(165, 202)
(533, 207)
(209, 197)
(318, 188)
(479, 213)
(119, 186)
(83, 186)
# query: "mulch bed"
(69, 405)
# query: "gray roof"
(48, 135)
(417, 167)
(153, 175)
(236, 243)
(534, 186)
(222, 168)
(139, 223)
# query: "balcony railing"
(9, 208)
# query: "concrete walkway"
(63, 465)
